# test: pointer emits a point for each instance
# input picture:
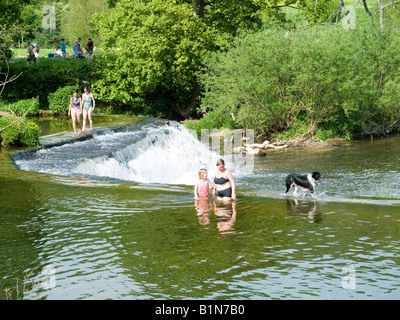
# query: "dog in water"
(304, 182)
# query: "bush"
(323, 81)
(214, 120)
(22, 106)
(59, 100)
(24, 133)
(10, 135)
(29, 134)
(46, 76)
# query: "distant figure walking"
(88, 104)
(63, 48)
(89, 50)
(75, 49)
(75, 105)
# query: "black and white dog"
(304, 182)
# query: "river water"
(113, 217)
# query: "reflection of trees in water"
(22, 231)
(306, 207)
(225, 214)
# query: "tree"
(10, 10)
(323, 81)
(160, 45)
(76, 21)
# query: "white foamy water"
(168, 155)
(152, 153)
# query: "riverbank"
(261, 147)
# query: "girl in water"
(224, 182)
(203, 185)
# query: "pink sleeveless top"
(202, 188)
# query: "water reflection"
(224, 212)
(306, 207)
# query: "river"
(113, 217)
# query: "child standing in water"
(203, 185)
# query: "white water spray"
(170, 155)
(150, 152)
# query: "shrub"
(46, 76)
(22, 106)
(59, 100)
(214, 120)
(29, 134)
(9, 135)
(24, 133)
(323, 81)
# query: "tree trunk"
(380, 13)
(198, 8)
(186, 111)
(344, 10)
(366, 7)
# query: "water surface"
(112, 234)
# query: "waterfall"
(168, 154)
(151, 152)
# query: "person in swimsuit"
(75, 105)
(203, 186)
(224, 182)
(88, 104)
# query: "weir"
(149, 151)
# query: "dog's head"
(317, 176)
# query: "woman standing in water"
(88, 104)
(75, 105)
(224, 182)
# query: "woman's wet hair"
(220, 161)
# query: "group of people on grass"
(81, 106)
(224, 184)
(33, 50)
(77, 48)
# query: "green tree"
(28, 24)
(159, 49)
(324, 81)
(9, 12)
(76, 21)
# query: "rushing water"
(113, 217)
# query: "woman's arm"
(69, 109)
(233, 186)
(210, 186)
(94, 102)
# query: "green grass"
(23, 52)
